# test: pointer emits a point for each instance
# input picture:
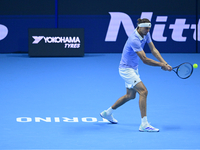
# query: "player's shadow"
(171, 127)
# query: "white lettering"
(3, 31)
(116, 19)
(157, 34)
(73, 40)
(57, 119)
(48, 119)
(178, 28)
(70, 42)
(72, 45)
(24, 119)
(77, 40)
(147, 15)
(89, 119)
(193, 26)
(57, 39)
(60, 119)
(48, 39)
(75, 119)
(104, 120)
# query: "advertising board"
(56, 42)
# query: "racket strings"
(185, 70)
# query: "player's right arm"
(151, 62)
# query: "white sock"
(109, 111)
(144, 120)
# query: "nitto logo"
(118, 18)
(70, 42)
(3, 31)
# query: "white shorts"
(130, 76)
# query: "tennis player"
(128, 70)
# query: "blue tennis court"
(54, 103)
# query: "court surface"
(54, 103)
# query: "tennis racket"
(184, 70)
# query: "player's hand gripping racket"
(184, 70)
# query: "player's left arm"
(156, 53)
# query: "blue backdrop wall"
(107, 24)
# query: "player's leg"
(107, 114)
(141, 89)
(130, 94)
(131, 78)
(145, 126)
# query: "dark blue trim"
(56, 13)
(197, 19)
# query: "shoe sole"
(109, 120)
(148, 131)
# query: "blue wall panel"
(173, 30)
(176, 39)
(17, 38)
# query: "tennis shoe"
(108, 117)
(146, 127)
